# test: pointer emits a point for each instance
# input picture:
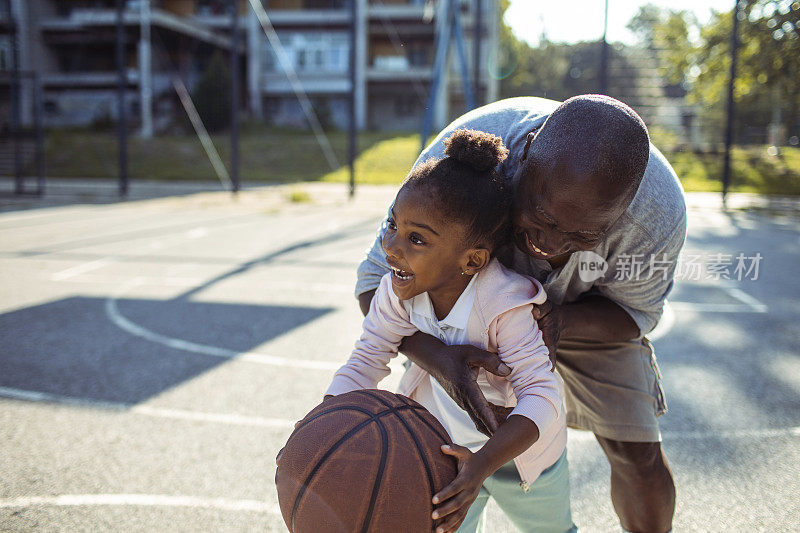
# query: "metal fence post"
(235, 96)
(122, 117)
(726, 168)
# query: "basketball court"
(155, 354)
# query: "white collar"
(458, 317)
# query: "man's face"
(557, 211)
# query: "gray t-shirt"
(640, 250)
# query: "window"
(311, 53)
(6, 53)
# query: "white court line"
(143, 500)
(578, 436)
(716, 308)
(241, 420)
(184, 281)
(233, 419)
(214, 351)
(745, 298)
(144, 410)
(80, 269)
(196, 233)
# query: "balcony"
(86, 80)
(276, 83)
(405, 11)
(410, 74)
(83, 18)
(309, 17)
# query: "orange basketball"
(366, 461)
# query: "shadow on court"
(69, 348)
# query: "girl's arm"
(520, 346)
(512, 438)
(384, 327)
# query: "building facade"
(287, 46)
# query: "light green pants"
(543, 509)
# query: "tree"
(556, 70)
(768, 64)
(212, 94)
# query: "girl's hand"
(462, 491)
(280, 452)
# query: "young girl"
(447, 219)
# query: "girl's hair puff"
(466, 187)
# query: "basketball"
(366, 461)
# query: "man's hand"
(549, 317)
(462, 491)
(500, 413)
(457, 372)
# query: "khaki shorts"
(613, 390)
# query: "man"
(599, 218)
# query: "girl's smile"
(427, 253)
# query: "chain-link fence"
(222, 90)
(673, 66)
(21, 131)
(148, 88)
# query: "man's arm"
(454, 367)
(364, 300)
(592, 318)
(596, 318)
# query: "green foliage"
(753, 170)
(551, 70)
(554, 70)
(212, 94)
(298, 195)
(269, 156)
(768, 64)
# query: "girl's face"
(426, 253)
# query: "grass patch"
(384, 162)
(266, 155)
(273, 155)
(752, 170)
(298, 196)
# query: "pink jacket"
(500, 322)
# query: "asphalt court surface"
(154, 355)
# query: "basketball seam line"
(350, 408)
(378, 476)
(301, 493)
(374, 417)
(417, 444)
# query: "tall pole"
(14, 90)
(122, 116)
(145, 70)
(604, 55)
(726, 167)
(351, 133)
(235, 96)
(476, 55)
(39, 126)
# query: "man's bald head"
(581, 172)
(596, 141)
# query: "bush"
(212, 94)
